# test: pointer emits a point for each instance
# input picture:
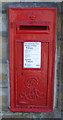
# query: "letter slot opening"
(24, 28)
(33, 27)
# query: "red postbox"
(32, 58)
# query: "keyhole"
(21, 73)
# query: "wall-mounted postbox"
(32, 58)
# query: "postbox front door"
(32, 44)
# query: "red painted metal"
(32, 89)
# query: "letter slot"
(27, 29)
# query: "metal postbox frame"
(50, 74)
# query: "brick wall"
(61, 54)
(4, 61)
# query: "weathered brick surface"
(62, 62)
(0, 50)
(10, 1)
(4, 47)
(3, 73)
(0, 21)
(3, 98)
(4, 50)
(30, 1)
(59, 24)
